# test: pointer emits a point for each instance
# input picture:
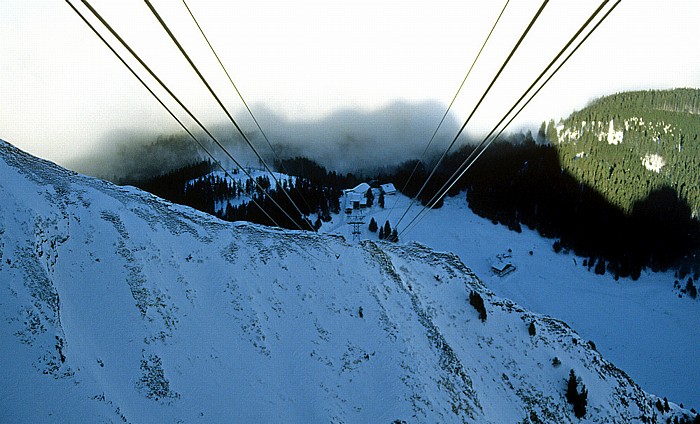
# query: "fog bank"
(348, 140)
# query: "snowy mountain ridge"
(119, 306)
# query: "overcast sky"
(62, 92)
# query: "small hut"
(503, 266)
(388, 188)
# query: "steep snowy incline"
(633, 323)
(118, 306)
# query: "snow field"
(120, 306)
(641, 326)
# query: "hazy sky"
(62, 92)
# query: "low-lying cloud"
(345, 141)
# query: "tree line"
(516, 184)
(313, 189)
(586, 194)
(513, 184)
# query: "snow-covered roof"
(502, 269)
(361, 188)
(388, 188)
(356, 197)
(501, 266)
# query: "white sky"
(62, 91)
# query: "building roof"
(361, 188)
(356, 197)
(388, 188)
(502, 266)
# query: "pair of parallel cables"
(488, 140)
(444, 115)
(190, 114)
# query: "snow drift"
(119, 306)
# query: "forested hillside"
(524, 184)
(313, 189)
(618, 183)
(630, 144)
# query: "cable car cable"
(228, 114)
(161, 102)
(425, 151)
(432, 203)
(498, 74)
(192, 116)
(277, 158)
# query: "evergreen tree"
(531, 329)
(600, 267)
(557, 246)
(551, 133)
(571, 388)
(477, 302)
(528, 137)
(387, 229)
(541, 133)
(580, 405)
(370, 198)
(690, 288)
(394, 236)
(578, 399)
(381, 233)
(381, 200)
(373, 225)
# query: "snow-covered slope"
(118, 306)
(633, 323)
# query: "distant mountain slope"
(629, 144)
(119, 306)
